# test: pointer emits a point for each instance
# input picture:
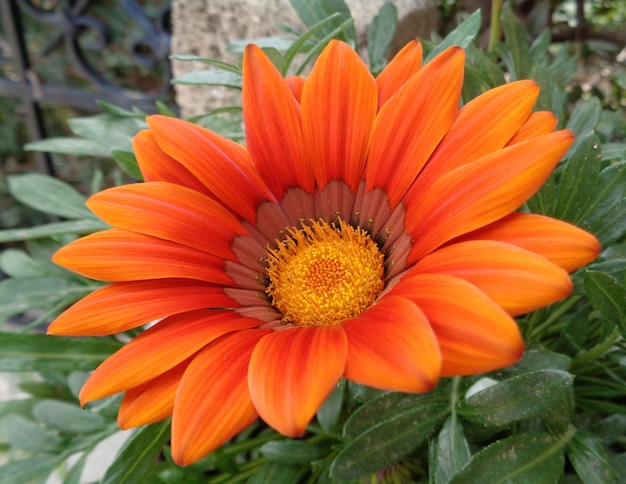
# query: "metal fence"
(87, 37)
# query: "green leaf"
(128, 162)
(380, 35)
(525, 458)
(399, 429)
(135, 461)
(24, 293)
(211, 77)
(27, 470)
(606, 294)
(515, 52)
(294, 452)
(537, 359)
(69, 146)
(48, 195)
(17, 263)
(114, 132)
(21, 433)
(383, 406)
(276, 57)
(578, 180)
(329, 413)
(299, 45)
(75, 473)
(516, 398)
(67, 417)
(272, 45)
(590, 459)
(584, 120)
(462, 36)
(40, 352)
(272, 473)
(449, 453)
(605, 214)
(542, 202)
(312, 12)
(213, 62)
(53, 229)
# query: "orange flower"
(366, 231)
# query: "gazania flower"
(368, 230)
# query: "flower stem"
(495, 22)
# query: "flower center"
(322, 274)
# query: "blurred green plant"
(558, 415)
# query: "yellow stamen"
(321, 274)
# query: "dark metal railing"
(72, 26)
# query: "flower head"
(367, 230)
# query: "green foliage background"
(559, 415)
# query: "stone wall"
(205, 27)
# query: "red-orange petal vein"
(119, 255)
(170, 212)
(121, 306)
(293, 371)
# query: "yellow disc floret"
(323, 274)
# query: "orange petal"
(484, 125)
(293, 371)
(160, 348)
(338, 109)
(273, 127)
(151, 401)
(213, 403)
(391, 346)
(537, 124)
(481, 192)
(295, 84)
(125, 305)
(518, 280)
(222, 165)
(410, 125)
(474, 333)
(156, 165)
(170, 212)
(119, 255)
(404, 64)
(561, 243)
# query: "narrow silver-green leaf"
(17, 263)
(24, 293)
(462, 36)
(516, 398)
(312, 12)
(128, 162)
(49, 195)
(69, 146)
(27, 470)
(211, 77)
(67, 417)
(24, 434)
(40, 352)
(114, 132)
(53, 229)
(135, 461)
(380, 35)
